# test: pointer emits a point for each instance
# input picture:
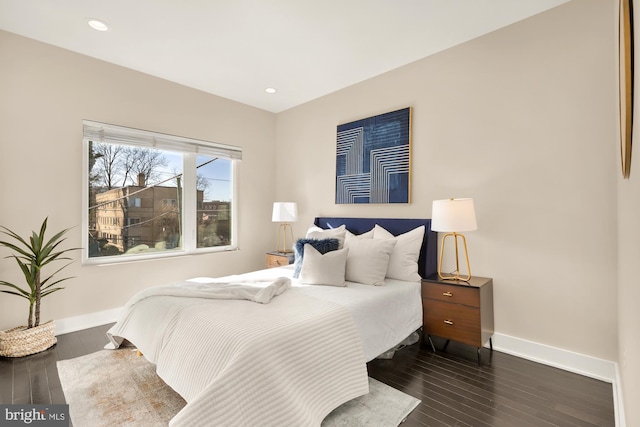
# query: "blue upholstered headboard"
(427, 263)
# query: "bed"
(291, 360)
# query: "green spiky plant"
(31, 256)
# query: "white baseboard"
(77, 323)
(600, 369)
(618, 401)
(578, 363)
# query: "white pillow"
(328, 269)
(365, 235)
(368, 259)
(331, 233)
(403, 262)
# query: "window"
(169, 203)
(151, 195)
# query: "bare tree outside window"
(119, 165)
(107, 166)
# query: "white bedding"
(384, 315)
(288, 362)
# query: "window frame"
(190, 149)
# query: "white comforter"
(238, 363)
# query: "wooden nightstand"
(278, 259)
(459, 311)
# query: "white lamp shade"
(285, 212)
(453, 215)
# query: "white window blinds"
(103, 132)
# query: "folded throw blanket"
(257, 290)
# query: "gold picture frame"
(626, 69)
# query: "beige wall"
(45, 92)
(523, 120)
(629, 287)
(628, 277)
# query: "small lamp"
(286, 213)
(453, 216)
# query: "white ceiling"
(237, 48)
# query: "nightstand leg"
(490, 354)
(445, 346)
(433, 347)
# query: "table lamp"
(453, 216)
(285, 213)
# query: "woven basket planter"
(20, 341)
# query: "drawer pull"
(447, 294)
(448, 322)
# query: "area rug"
(112, 388)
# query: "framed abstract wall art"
(373, 159)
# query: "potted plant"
(31, 256)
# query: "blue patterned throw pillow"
(323, 246)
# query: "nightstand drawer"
(453, 321)
(455, 294)
(278, 260)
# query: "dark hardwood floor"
(34, 379)
(504, 391)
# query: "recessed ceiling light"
(270, 90)
(97, 24)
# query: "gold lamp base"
(283, 230)
(455, 276)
